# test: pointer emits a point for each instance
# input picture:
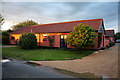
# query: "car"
(118, 41)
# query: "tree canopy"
(117, 35)
(82, 36)
(5, 37)
(1, 18)
(24, 24)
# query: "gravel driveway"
(101, 63)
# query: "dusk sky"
(52, 12)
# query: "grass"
(44, 54)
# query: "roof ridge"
(60, 27)
(66, 22)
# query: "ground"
(101, 63)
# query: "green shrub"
(51, 40)
(28, 41)
(82, 36)
(110, 44)
(5, 37)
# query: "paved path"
(101, 63)
(18, 69)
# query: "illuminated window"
(65, 36)
(61, 36)
(44, 34)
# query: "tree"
(1, 21)
(5, 37)
(9, 30)
(1, 18)
(24, 24)
(28, 41)
(117, 35)
(82, 36)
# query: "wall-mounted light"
(44, 34)
(36, 35)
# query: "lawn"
(44, 54)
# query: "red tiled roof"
(59, 27)
(109, 32)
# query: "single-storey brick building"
(109, 37)
(60, 31)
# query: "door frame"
(103, 40)
(65, 45)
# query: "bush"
(5, 37)
(82, 36)
(51, 40)
(28, 41)
(111, 44)
(117, 36)
(108, 46)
